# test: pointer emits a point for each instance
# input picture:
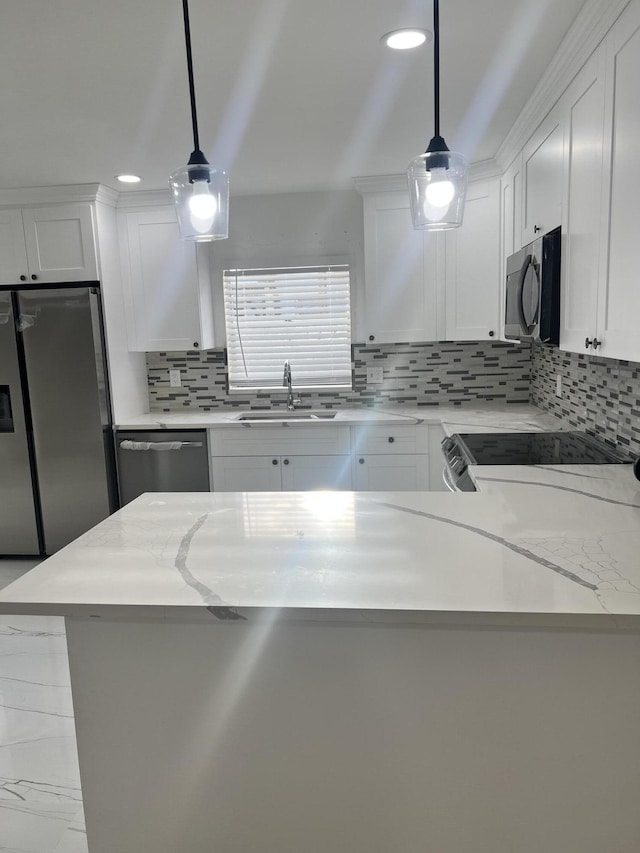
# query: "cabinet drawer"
(403, 438)
(280, 440)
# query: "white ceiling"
(292, 94)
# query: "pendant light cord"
(436, 67)
(192, 91)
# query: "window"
(299, 314)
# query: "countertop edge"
(592, 622)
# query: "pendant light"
(437, 178)
(200, 191)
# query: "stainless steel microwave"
(532, 309)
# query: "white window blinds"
(299, 314)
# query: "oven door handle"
(446, 479)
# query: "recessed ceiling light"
(406, 39)
(129, 179)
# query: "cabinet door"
(169, 299)
(619, 295)
(511, 226)
(400, 273)
(392, 473)
(473, 267)
(542, 160)
(583, 105)
(13, 254)
(511, 209)
(304, 473)
(60, 243)
(246, 474)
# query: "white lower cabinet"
(246, 474)
(303, 458)
(391, 458)
(303, 473)
(392, 473)
(280, 473)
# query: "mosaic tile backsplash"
(421, 374)
(599, 395)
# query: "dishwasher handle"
(128, 444)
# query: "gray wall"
(287, 229)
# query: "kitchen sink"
(308, 415)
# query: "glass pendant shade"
(201, 198)
(437, 190)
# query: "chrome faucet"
(286, 383)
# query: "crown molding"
(592, 24)
(380, 183)
(143, 198)
(107, 195)
(21, 196)
(484, 169)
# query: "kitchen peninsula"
(347, 671)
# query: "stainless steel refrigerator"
(57, 470)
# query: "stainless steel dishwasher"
(161, 461)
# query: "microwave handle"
(523, 274)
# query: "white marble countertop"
(509, 417)
(543, 546)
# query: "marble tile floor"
(40, 798)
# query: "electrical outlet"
(174, 379)
(375, 376)
(558, 385)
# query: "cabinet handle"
(491, 333)
(23, 278)
(536, 229)
(196, 344)
(372, 337)
(34, 277)
(596, 343)
(361, 461)
(587, 343)
(274, 461)
(391, 439)
(286, 461)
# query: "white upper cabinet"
(400, 272)
(584, 107)
(601, 250)
(13, 252)
(430, 286)
(619, 294)
(166, 282)
(472, 281)
(542, 161)
(48, 244)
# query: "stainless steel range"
(520, 448)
